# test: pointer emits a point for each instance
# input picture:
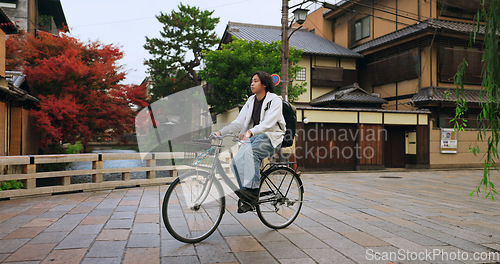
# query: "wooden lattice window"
(450, 58)
(301, 75)
(400, 67)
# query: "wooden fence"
(30, 175)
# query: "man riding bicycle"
(261, 125)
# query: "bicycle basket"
(200, 154)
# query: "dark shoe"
(249, 195)
(244, 207)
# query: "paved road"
(348, 218)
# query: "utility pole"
(284, 50)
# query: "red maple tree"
(79, 85)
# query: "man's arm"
(237, 123)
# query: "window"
(462, 9)
(327, 76)
(396, 68)
(301, 75)
(450, 58)
(362, 28)
(446, 120)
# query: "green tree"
(79, 85)
(228, 69)
(185, 34)
(169, 84)
(488, 19)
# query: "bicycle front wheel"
(280, 197)
(193, 206)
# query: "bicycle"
(195, 202)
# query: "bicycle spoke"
(291, 179)
(277, 188)
(280, 198)
(193, 207)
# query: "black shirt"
(257, 106)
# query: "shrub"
(74, 148)
(13, 184)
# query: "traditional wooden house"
(341, 125)
(21, 135)
(17, 135)
(411, 50)
(33, 15)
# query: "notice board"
(448, 140)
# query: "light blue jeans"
(246, 163)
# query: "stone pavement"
(349, 217)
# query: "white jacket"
(268, 119)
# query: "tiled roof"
(15, 80)
(337, 6)
(302, 106)
(6, 23)
(453, 25)
(429, 24)
(301, 39)
(349, 94)
(439, 94)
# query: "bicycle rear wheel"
(193, 206)
(280, 197)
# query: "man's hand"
(245, 136)
(215, 134)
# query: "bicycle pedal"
(244, 207)
(263, 194)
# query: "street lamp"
(284, 50)
(300, 15)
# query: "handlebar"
(221, 136)
(235, 137)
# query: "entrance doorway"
(394, 147)
(329, 146)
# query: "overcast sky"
(126, 22)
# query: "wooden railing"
(30, 175)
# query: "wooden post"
(30, 169)
(97, 166)
(173, 173)
(151, 174)
(126, 176)
(66, 180)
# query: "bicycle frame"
(217, 166)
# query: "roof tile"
(429, 24)
(348, 94)
(432, 93)
(301, 39)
